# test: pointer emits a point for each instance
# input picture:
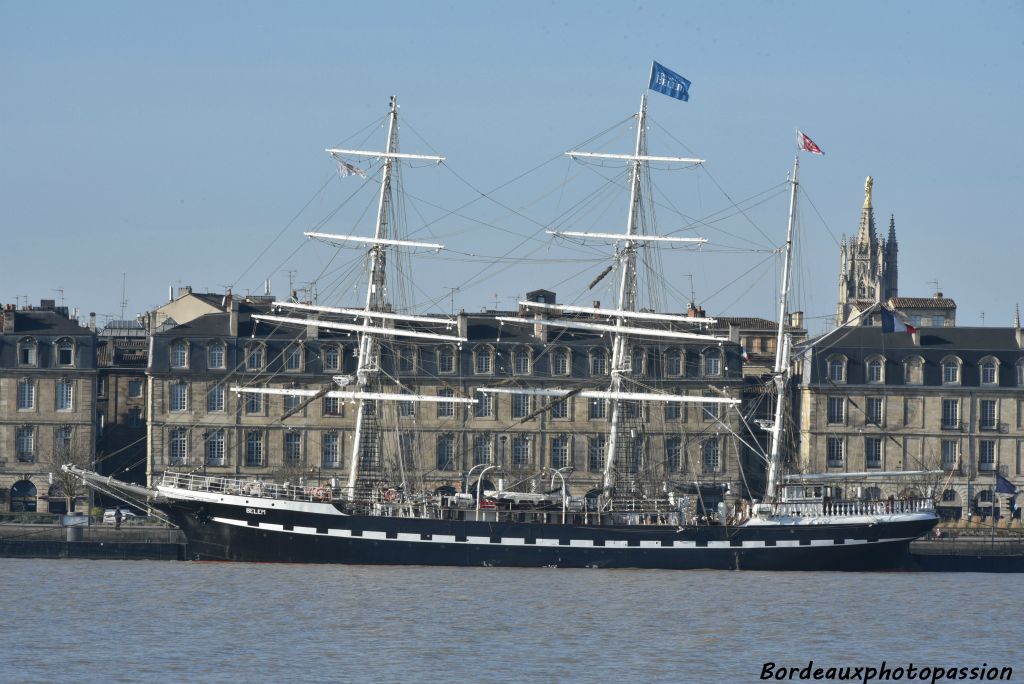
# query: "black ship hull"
(222, 532)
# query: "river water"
(128, 621)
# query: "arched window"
(598, 362)
(988, 370)
(65, 352)
(950, 370)
(837, 369)
(483, 360)
(27, 349)
(216, 356)
(712, 363)
(638, 360)
(446, 359)
(674, 362)
(332, 357)
(521, 361)
(179, 354)
(254, 357)
(875, 370)
(560, 361)
(23, 497)
(293, 358)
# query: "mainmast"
(782, 343)
(627, 294)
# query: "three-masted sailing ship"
(385, 512)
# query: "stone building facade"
(47, 405)
(947, 399)
(197, 422)
(121, 360)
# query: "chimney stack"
(92, 321)
(8, 316)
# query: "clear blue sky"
(174, 141)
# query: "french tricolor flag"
(892, 324)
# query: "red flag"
(805, 143)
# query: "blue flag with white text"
(668, 82)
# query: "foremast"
(782, 346)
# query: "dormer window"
(483, 361)
(216, 355)
(332, 358)
(560, 361)
(837, 369)
(27, 352)
(637, 360)
(446, 359)
(951, 371)
(65, 352)
(293, 358)
(712, 363)
(876, 370)
(254, 357)
(521, 361)
(673, 362)
(179, 354)
(598, 362)
(989, 371)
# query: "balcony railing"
(849, 508)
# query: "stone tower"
(868, 268)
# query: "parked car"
(110, 514)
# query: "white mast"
(627, 294)
(782, 342)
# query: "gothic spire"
(866, 231)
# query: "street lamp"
(478, 481)
(562, 478)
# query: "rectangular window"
(835, 452)
(446, 452)
(25, 444)
(987, 414)
(712, 364)
(291, 402)
(101, 386)
(62, 441)
(65, 353)
(559, 452)
(215, 399)
(254, 448)
(484, 407)
(65, 392)
(445, 409)
(950, 414)
(134, 388)
(873, 411)
(520, 452)
(329, 450)
(481, 450)
(597, 363)
(179, 396)
(872, 452)
(950, 454)
(406, 360)
(709, 411)
(836, 410)
(407, 450)
(597, 409)
(215, 448)
(560, 408)
(986, 455)
(950, 373)
(26, 395)
(332, 358)
(253, 403)
(292, 447)
(332, 406)
(596, 453)
(254, 358)
(836, 370)
(406, 409)
(135, 417)
(673, 454)
(179, 447)
(521, 362)
(711, 458)
(673, 410)
(520, 405)
(27, 355)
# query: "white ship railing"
(247, 487)
(819, 509)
